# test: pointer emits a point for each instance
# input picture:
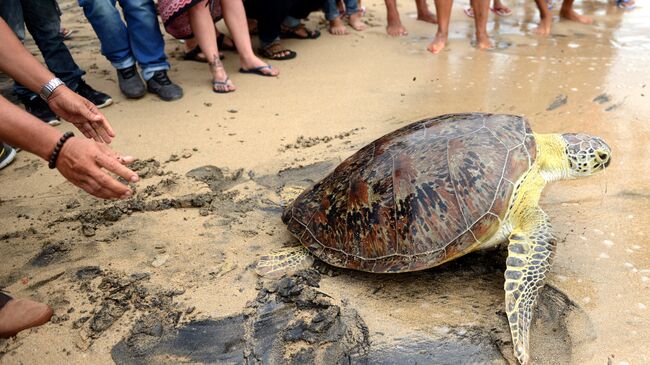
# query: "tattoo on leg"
(215, 63)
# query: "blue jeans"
(42, 18)
(332, 12)
(123, 44)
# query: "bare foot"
(396, 29)
(483, 42)
(544, 26)
(428, 17)
(337, 27)
(356, 23)
(438, 44)
(573, 16)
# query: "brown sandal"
(295, 32)
(275, 51)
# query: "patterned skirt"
(176, 19)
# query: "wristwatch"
(48, 89)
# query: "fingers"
(110, 188)
(89, 132)
(97, 122)
(126, 160)
(113, 165)
(86, 117)
(102, 132)
(100, 124)
(103, 186)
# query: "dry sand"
(339, 94)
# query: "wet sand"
(273, 137)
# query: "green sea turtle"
(438, 189)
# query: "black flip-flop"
(223, 46)
(257, 71)
(193, 55)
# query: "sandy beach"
(217, 169)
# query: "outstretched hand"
(82, 161)
(82, 113)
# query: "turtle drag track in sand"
(292, 319)
(180, 255)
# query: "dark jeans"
(271, 13)
(123, 43)
(42, 18)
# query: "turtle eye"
(602, 156)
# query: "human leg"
(424, 14)
(300, 9)
(115, 45)
(333, 16)
(235, 18)
(443, 9)
(481, 10)
(203, 29)
(43, 22)
(20, 314)
(292, 26)
(12, 13)
(567, 12)
(354, 14)
(111, 31)
(394, 26)
(146, 41)
(545, 18)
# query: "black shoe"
(39, 108)
(96, 97)
(130, 82)
(7, 154)
(161, 84)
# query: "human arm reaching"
(81, 161)
(18, 63)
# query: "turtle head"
(586, 154)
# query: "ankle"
(481, 35)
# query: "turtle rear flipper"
(284, 261)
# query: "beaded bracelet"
(57, 149)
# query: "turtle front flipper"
(529, 258)
(284, 261)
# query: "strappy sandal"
(294, 33)
(275, 51)
(222, 83)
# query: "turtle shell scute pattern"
(418, 196)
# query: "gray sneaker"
(7, 154)
(130, 82)
(161, 85)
